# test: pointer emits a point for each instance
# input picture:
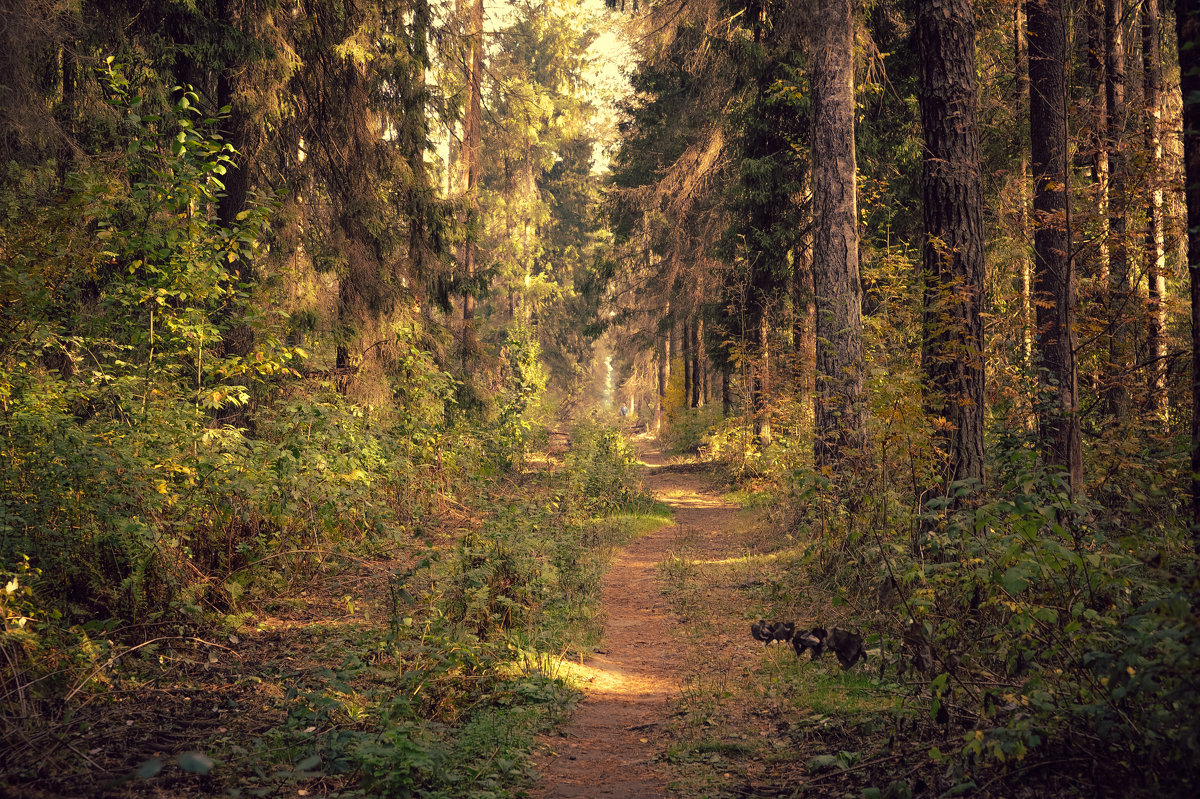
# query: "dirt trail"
(611, 745)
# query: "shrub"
(602, 468)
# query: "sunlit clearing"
(740, 560)
(598, 676)
(690, 499)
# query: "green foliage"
(1042, 627)
(602, 475)
(525, 380)
(446, 703)
(20, 611)
(499, 580)
(115, 481)
(110, 361)
(691, 430)
(433, 714)
(532, 572)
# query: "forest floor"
(679, 699)
(612, 745)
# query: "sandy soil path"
(610, 747)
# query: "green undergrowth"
(1018, 637)
(746, 724)
(431, 683)
(1023, 636)
(473, 661)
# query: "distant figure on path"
(624, 411)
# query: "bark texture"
(1021, 67)
(470, 162)
(841, 434)
(1098, 144)
(952, 253)
(804, 330)
(1187, 29)
(1054, 281)
(1120, 299)
(1155, 239)
(689, 370)
(663, 355)
(760, 387)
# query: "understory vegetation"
(1017, 637)
(406, 649)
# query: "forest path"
(611, 747)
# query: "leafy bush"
(602, 468)
(1040, 630)
(110, 364)
(524, 379)
(688, 429)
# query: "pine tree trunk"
(237, 338)
(804, 322)
(841, 428)
(68, 110)
(470, 160)
(1155, 241)
(689, 372)
(726, 390)
(1187, 31)
(672, 344)
(695, 334)
(952, 255)
(663, 354)
(421, 260)
(1120, 300)
(1021, 67)
(1097, 278)
(761, 386)
(1054, 282)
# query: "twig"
(79, 686)
(19, 688)
(95, 765)
(1028, 767)
(325, 552)
(846, 770)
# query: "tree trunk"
(804, 323)
(68, 110)
(726, 390)
(695, 334)
(761, 381)
(1021, 66)
(470, 161)
(1054, 282)
(841, 429)
(1098, 277)
(1187, 31)
(952, 254)
(1155, 241)
(664, 356)
(672, 344)
(422, 260)
(1120, 295)
(689, 371)
(237, 337)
